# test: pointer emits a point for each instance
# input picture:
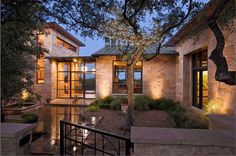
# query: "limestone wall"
(104, 76)
(159, 77)
(216, 90)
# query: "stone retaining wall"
(184, 142)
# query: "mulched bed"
(112, 121)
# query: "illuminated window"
(40, 70)
(65, 44)
(200, 79)
(120, 77)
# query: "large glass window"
(76, 78)
(120, 77)
(40, 71)
(200, 79)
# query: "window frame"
(37, 68)
(65, 44)
(125, 70)
(195, 71)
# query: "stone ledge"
(173, 136)
(15, 129)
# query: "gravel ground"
(112, 121)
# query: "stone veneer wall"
(216, 90)
(104, 76)
(159, 77)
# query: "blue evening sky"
(93, 45)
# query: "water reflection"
(50, 116)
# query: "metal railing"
(83, 140)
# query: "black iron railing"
(83, 140)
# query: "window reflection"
(120, 77)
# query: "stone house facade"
(182, 72)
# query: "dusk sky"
(93, 45)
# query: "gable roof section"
(113, 50)
(195, 22)
(65, 33)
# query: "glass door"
(76, 78)
(63, 80)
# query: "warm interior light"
(25, 94)
(75, 60)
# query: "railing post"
(61, 138)
(127, 147)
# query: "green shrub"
(141, 103)
(93, 108)
(29, 118)
(116, 104)
(103, 105)
(108, 99)
(164, 104)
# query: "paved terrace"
(71, 102)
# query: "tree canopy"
(20, 22)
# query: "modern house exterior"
(182, 71)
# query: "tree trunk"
(222, 73)
(130, 88)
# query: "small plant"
(108, 99)
(93, 108)
(141, 103)
(103, 105)
(29, 118)
(164, 104)
(116, 104)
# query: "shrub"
(141, 103)
(116, 104)
(93, 108)
(29, 118)
(164, 104)
(108, 99)
(103, 105)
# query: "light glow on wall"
(155, 88)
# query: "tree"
(125, 21)
(222, 72)
(20, 22)
(137, 24)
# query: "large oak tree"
(138, 24)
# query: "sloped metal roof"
(113, 50)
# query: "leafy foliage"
(142, 103)
(116, 104)
(29, 118)
(19, 21)
(93, 108)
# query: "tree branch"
(181, 21)
(222, 72)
